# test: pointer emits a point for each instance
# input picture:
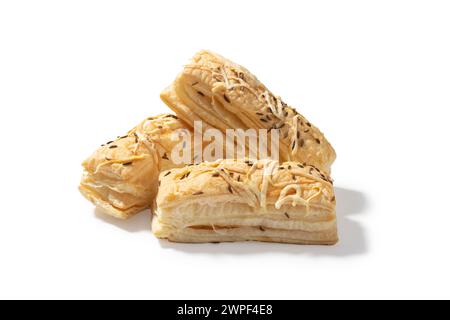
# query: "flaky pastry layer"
(121, 177)
(238, 200)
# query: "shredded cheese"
(268, 169)
(252, 191)
(294, 199)
(240, 83)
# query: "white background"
(373, 75)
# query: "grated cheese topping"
(255, 191)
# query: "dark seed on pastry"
(287, 215)
(102, 145)
(300, 166)
(302, 143)
(201, 93)
(188, 174)
(311, 171)
(262, 229)
(197, 193)
(109, 142)
(293, 145)
(230, 189)
(165, 157)
(263, 120)
(289, 167)
(306, 131)
(122, 137)
(113, 147)
(167, 174)
(259, 114)
(318, 141)
(195, 83)
(108, 159)
(226, 98)
(298, 134)
(239, 179)
(172, 116)
(136, 138)
(216, 174)
(294, 177)
(127, 164)
(308, 124)
(281, 126)
(333, 199)
(281, 168)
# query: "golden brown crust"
(121, 177)
(226, 95)
(232, 178)
(233, 200)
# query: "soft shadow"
(139, 223)
(352, 238)
(350, 202)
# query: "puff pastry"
(227, 96)
(237, 200)
(121, 177)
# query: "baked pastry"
(121, 177)
(238, 200)
(225, 95)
